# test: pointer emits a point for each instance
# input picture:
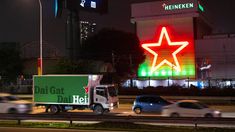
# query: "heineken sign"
(167, 7)
(178, 6)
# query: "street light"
(40, 70)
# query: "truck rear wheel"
(54, 109)
(12, 111)
(98, 110)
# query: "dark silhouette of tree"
(10, 62)
(120, 48)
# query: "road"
(123, 113)
(17, 129)
(123, 110)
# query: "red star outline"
(147, 46)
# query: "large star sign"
(156, 49)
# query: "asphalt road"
(123, 110)
(17, 129)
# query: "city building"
(215, 59)
(179, 46)
(87, 29)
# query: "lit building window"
(87, 29)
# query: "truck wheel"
(54, 109)
(12, 111)
(98, 110)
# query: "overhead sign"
(168, 7)
(179, 6)
(89, 4)
(100, 6)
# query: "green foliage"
(120, 48)
(65, 66)
(10, 62)
(79, 67)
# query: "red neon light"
(149, 47)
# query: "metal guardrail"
(115, 118)
(184, 97)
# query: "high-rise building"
(87, 29)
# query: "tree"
(10, 62)
(66, 66)
(120, 48)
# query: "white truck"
(60, 93)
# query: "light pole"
(40, 69)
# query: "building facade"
(87, 29)
(179, 47)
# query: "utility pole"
(40, 69)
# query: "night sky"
(20, 19)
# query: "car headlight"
(216, 112)
(21, 106)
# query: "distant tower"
(87, 29)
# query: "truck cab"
(105, 98)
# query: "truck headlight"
(21, 106)
(111, 104)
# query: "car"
(149, 104)
(12, 104)
(189, 108)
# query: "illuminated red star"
(86, 89)
(149, 47)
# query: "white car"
(12, 104)
(189, 108)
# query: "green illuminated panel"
(166, 71)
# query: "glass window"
(152, 100)
(144, 99)
(156, 100)
(184, 105)
(201, 105)
(189, 105)
(112, 91)
(12, 98)
(159, 100)
(195, 106)
(101, 91)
